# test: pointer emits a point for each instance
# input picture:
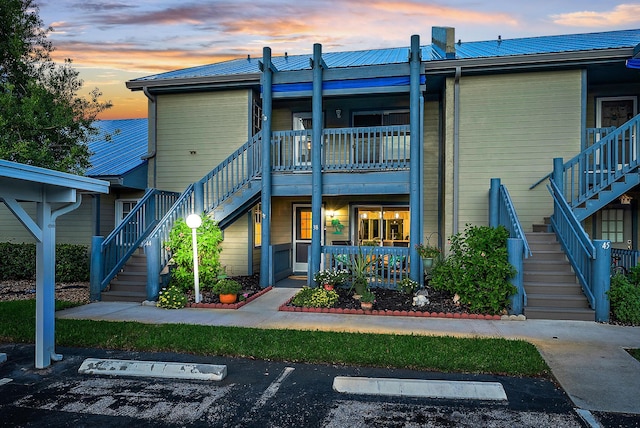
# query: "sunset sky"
(113, 41)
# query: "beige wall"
(511, 127)
(235, 248)
(195, 133)
(431, 158)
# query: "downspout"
(316, 162)
(267, 79)
(153, 124)
(415, 149)
(456, 149)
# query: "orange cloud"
(624, 14)
(439, 12)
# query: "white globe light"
(194, 221)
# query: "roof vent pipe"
(445, 39)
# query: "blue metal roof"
(123, 152)
(464, 50)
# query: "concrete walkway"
(588, 359)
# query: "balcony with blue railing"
(344, 149)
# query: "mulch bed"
(395, 303)
(251, 290)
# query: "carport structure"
(54, 193)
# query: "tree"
(43, 120)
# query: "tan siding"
(211, 124)
(431, 177)
(235, 248)
(511, 127)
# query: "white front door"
(301, 236)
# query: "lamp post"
(194, 221)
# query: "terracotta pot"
(228, 298)
(328, 287)
(367, 306)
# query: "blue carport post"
(515, 249)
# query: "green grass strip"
(438, 353)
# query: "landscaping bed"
(251, 290)
(394, 302)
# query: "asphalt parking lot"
(256, 394)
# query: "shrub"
(315, 298)
(72, 263)
(477, 269)
(227, 286)
(181, 248)
(19, 262)
(625, 300)
(172, 298)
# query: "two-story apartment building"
(296, 155)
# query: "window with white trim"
(613, 225)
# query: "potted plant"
(367, 299)
(427, 253)
(228, 290)
(329, 278)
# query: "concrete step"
(123, 296)
(547, 313)
(565, 276)
(558, 289)
(535, 300)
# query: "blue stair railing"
(203, 196)
(601, 164)
(110, 254)
(502, 212)
(590, 260)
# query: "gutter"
(153, 124)
(456, 149)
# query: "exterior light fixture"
(194, 221)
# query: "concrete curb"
(421, 388)
(153, 369)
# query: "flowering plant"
(172, 298)
(426, 251)
(331, 276)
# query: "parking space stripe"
(5, 381)
(273, 388)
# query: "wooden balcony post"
(494, 203)
(316, 161)
(415, 190)
(600, 277)
(97, 268)
(267, 80)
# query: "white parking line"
(273, 388)
(5, 381)
(588, 417)
(420, 388)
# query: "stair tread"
(124, 293)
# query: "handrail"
(601, 164)
(592, 136)
(508, 217)
(118, 246)
(226, 178)
(233, 173)
(184, 206)
(576, 243)
(344, 149)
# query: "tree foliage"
(44, 121)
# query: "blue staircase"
(603, 171)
